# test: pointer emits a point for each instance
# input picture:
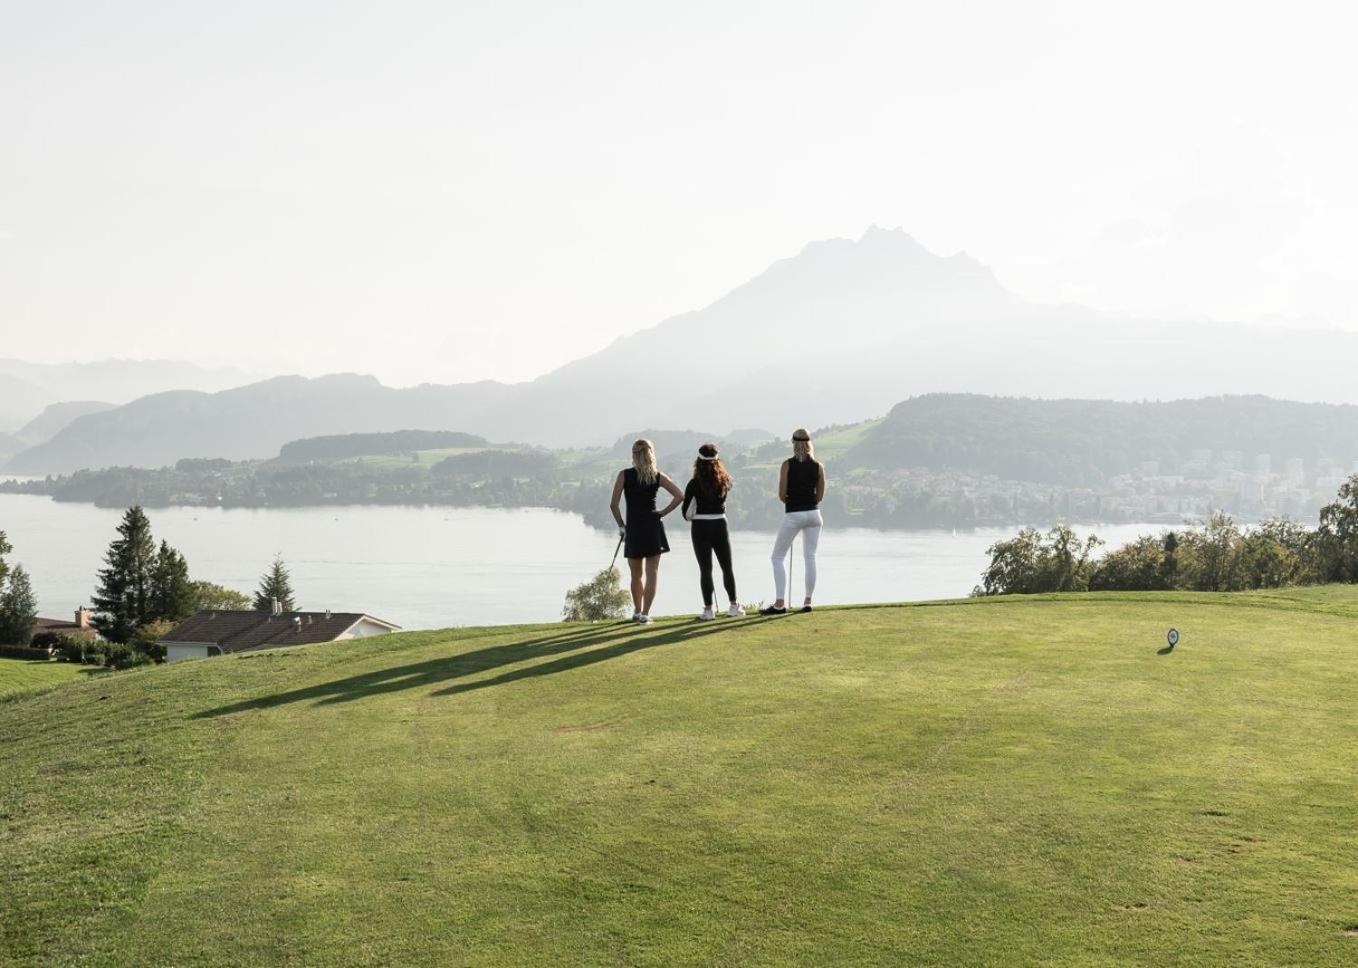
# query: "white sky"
(449, 191)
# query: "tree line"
(1215, 556)
(18, 606)
(143, 589)
(1083, 443)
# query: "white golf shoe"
(736, 610)
(708, 615)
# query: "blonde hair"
(801, 444)
(643, 459)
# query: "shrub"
(146, 641)
(72, 650)
(24, 652)
(1139, 566)
(600, 598)
(1277, 553)
(121, 656)
(1215, 556)
(1031, 562)
(1210, 556)
(1338, 535)
(47, 640)
(96, 651)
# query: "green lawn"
(833, 443)
(421, 458)
(998, 782)
(830, 445)
(20, 675)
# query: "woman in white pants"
(801, 488)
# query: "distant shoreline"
(600, 521)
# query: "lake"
(432, 567)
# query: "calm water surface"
(435, 567)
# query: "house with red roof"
(217, 632)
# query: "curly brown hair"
(710, 474)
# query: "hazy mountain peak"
(897, 239)
(347, 380)
(328, 380)
(57, 416)
(882, 258)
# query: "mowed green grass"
(22, 675)
(1000, 782)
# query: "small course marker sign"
(1173, 637)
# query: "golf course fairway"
(1007, 781)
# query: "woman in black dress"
(642, 532)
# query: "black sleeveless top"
(803, 477)
(707, 503)
(640, 497)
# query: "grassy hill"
(21, 675)
(1002, 781)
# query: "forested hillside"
(944, 460)
(1085, 442)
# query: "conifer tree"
(5, 548)
(18, 609)
(123, 600)
(275, 586)
(172, 594)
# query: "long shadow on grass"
(576, 660)
(619, 639)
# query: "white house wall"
(175, 651)
(364, 629)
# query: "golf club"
(612, 565)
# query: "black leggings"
(709, 537)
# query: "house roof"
(60, 625)
(242, 631)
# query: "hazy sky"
(448, 191)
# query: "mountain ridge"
(842, 330)
(26, 388)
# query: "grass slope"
(419, 458)
(22, 675)
(1010, 781)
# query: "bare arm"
(676, 495)
(820, 485)
(782, 483)
(617, 500)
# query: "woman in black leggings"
(705, 506)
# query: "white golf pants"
(808, 525)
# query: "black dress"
(645, 530)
